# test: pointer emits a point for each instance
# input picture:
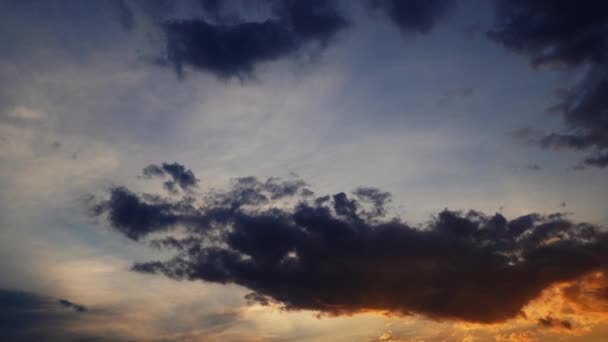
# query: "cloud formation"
(228, 44)
(234, 49)
(180, 176)
(231, 38)
(341, 254)
(565, 34)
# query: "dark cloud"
(26, 316)
(134, 217)
(570, 35)
(413, 16)
(225, 50)
(234, 49)
(378, 199)
(599, 160)
(553, 31)
(228, 43)
(550, 322)
(153, 170)
(334, 255)
(180, 176)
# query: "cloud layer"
(340, 254)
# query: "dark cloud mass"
(225, 50)
(234, 49)
(341, 254)
(227, 44)
(565, 34)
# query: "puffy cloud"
(334, 255)
(180, 176)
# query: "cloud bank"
(342, 254)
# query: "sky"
(304, 170)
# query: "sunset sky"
(304, 170)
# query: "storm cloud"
(343, 254)
(569, 35)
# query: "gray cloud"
(180, 176)
(235, 48)
(565, 34)
(334, 255)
